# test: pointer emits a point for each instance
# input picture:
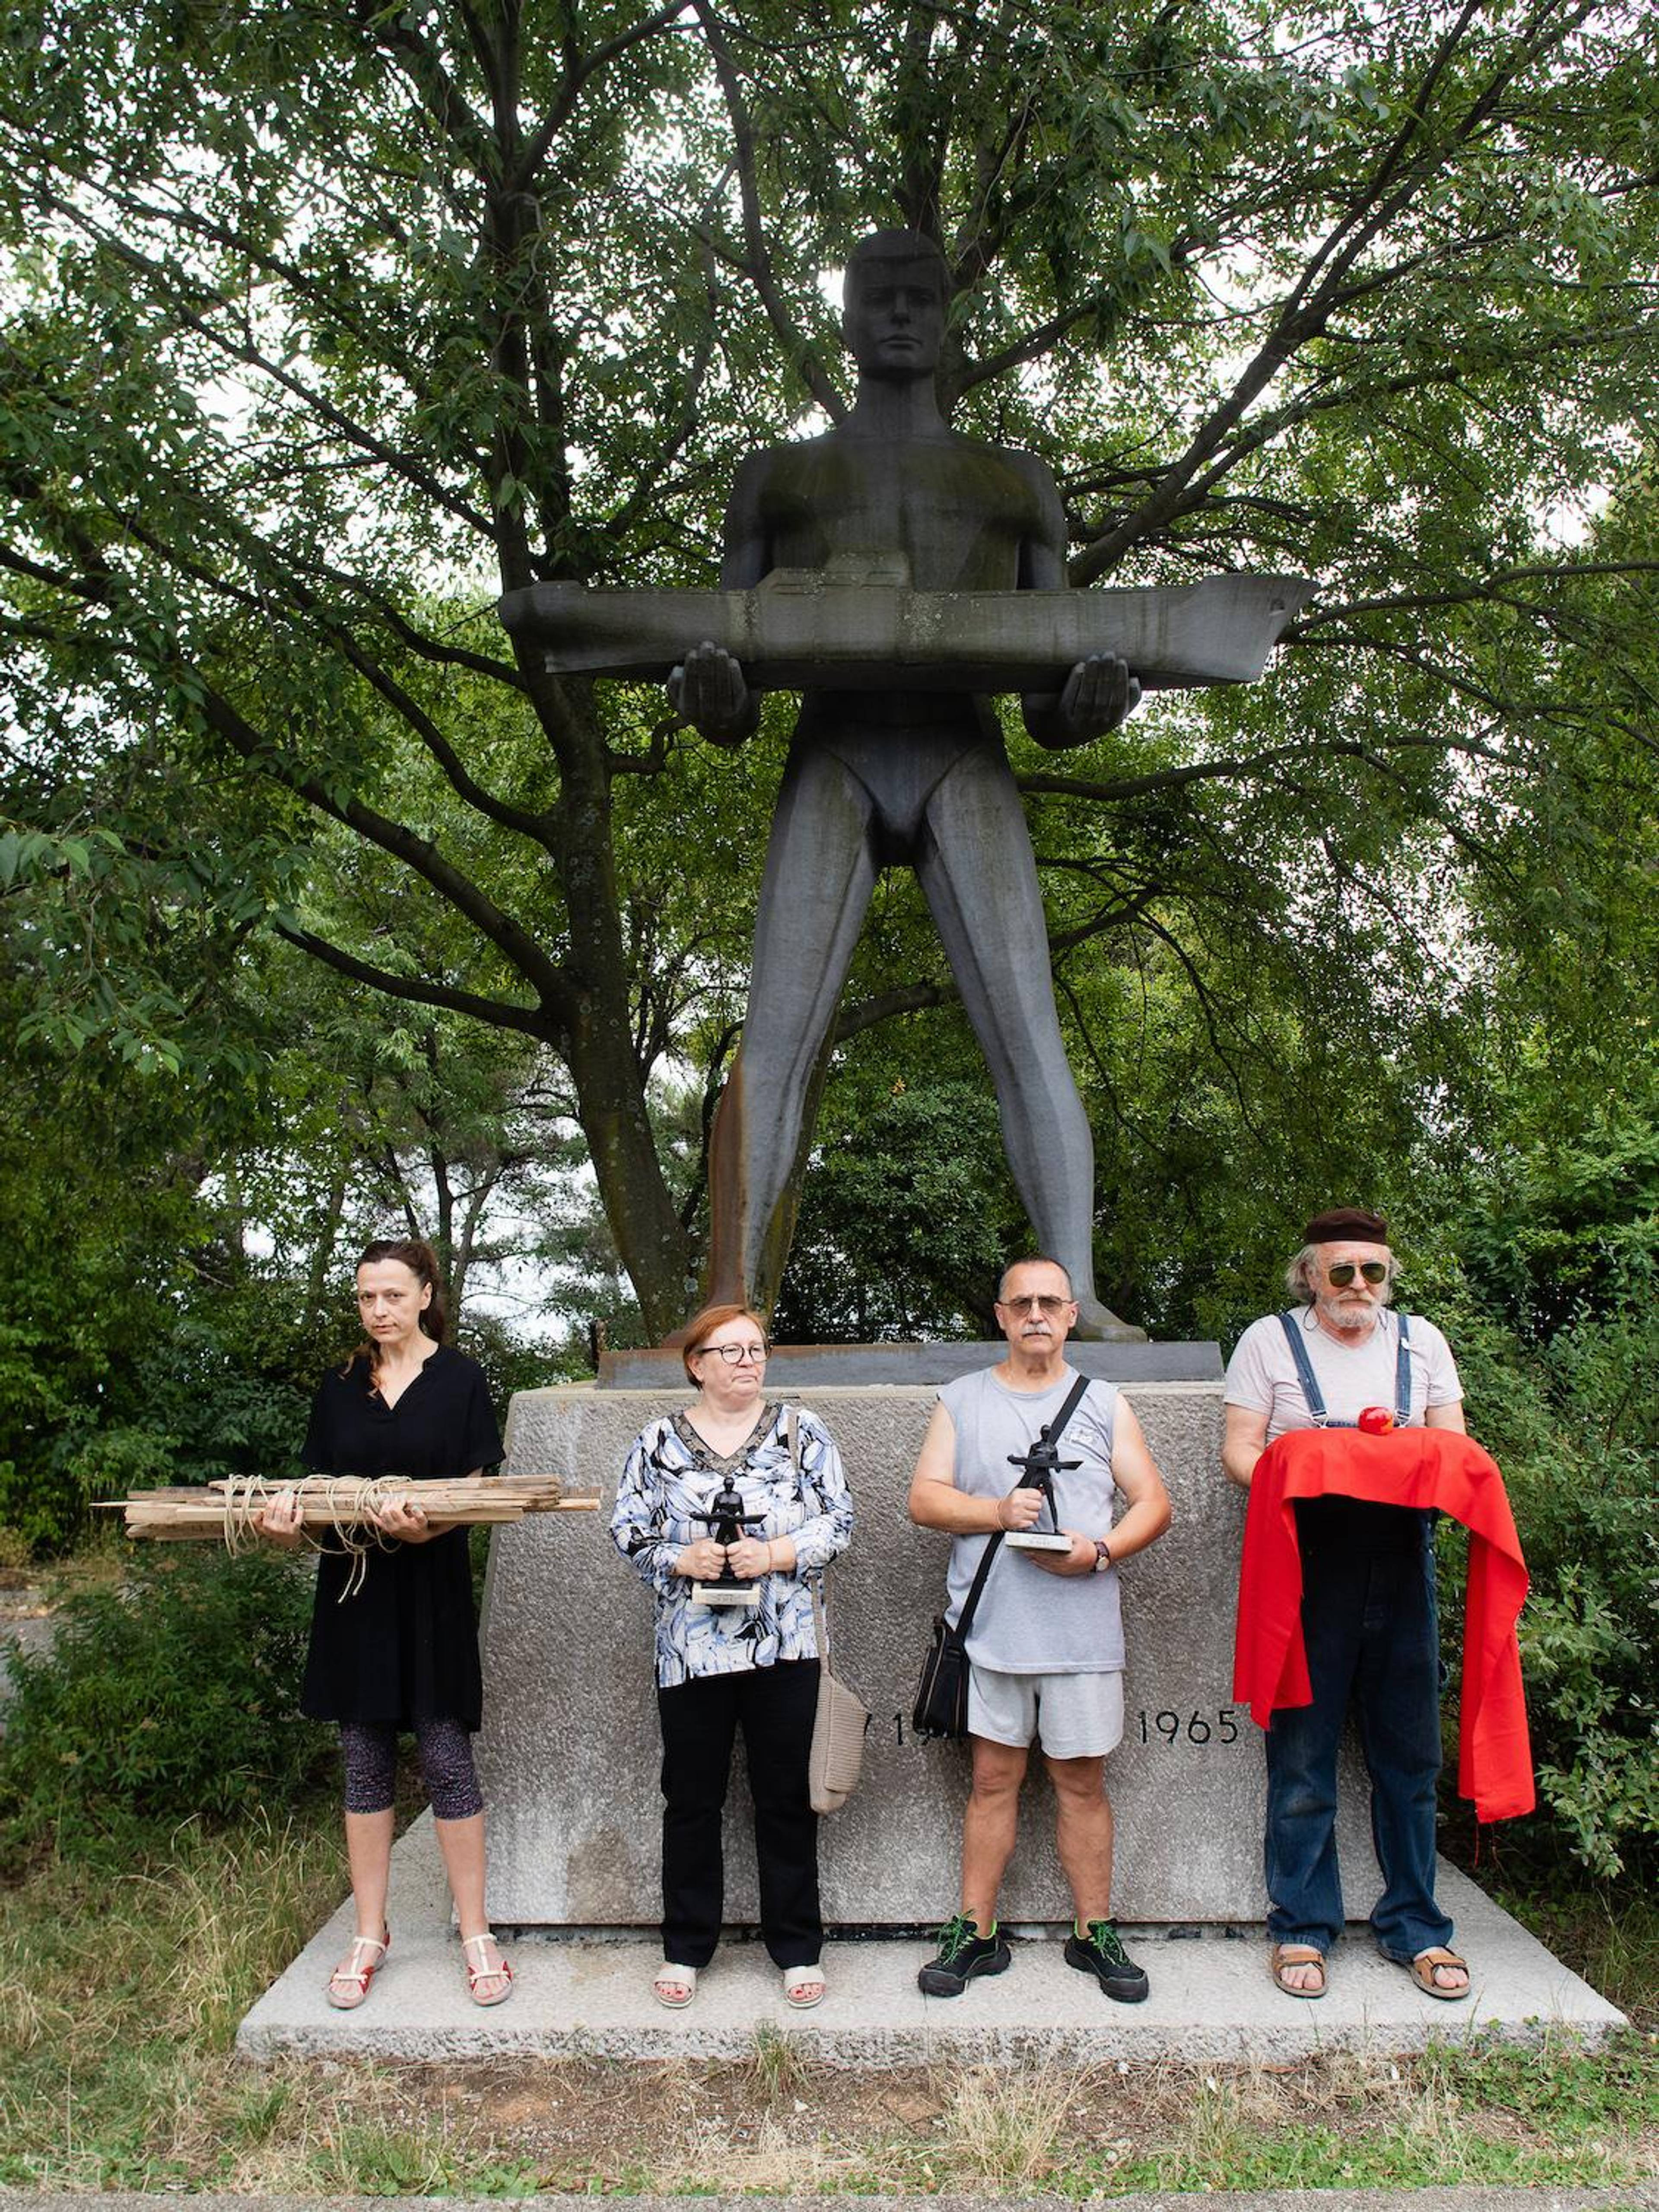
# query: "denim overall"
(1372, 1633)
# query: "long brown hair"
(422, 1262)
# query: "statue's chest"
(955, 515)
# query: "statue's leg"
(820, 871)
(976, 869)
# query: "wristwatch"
(1103, 1555)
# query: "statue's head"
(894, 301)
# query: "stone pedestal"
(568, 1755)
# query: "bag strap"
(1074, 1399)
(966, 1621)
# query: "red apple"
(1375, 1420)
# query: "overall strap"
(1292, 1324)
(1310, 1390)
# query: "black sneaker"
(1102, 1954)
(963, 1953)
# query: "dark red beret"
(1347, 1225)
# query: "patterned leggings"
(370, 1753)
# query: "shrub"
(1575, 1425)
(172, 1695)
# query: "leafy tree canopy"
(323, 324)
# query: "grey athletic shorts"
(1076, 1715)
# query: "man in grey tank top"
(1046, 1643)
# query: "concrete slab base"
(590, 1997)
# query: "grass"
(1614, 1945)
(122, 1982)
(120, 1989)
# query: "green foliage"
(908, 1212)
(1578, 1232)
(170, 1696)
(1575, 1425)
(325, 343)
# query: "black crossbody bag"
(941, 1706)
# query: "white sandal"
(803, 1987)
(348, 1986)
(485, 1972)
(674, 1986)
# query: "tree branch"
(757, 263)
(1124, 787)
(578, 71)
(1393, 185)
(887, 1005)
(419, 854)
(500, 1013)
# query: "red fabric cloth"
(1418, 1467)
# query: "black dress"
(404, 1647)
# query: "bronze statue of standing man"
(875, 778)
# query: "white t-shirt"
(1262, 1373)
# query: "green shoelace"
(959, 1935)
(1102, 1937)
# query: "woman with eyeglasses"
(724, 1509)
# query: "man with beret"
(1368, 1615)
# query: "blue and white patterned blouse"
(671, 1474)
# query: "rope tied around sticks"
(352, 1499)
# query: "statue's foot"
(1098, 1324)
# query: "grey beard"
(1350, 1318)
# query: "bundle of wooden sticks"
(223, 1511)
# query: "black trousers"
(774, 1706)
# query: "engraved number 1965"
(1193, 1727)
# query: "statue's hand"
(1098, 695)
(708, 690)
(1099, 692)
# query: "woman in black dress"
(402, 1650)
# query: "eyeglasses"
(1374, 1271)
(1047, 1302)
(734, 1354)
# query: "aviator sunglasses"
(1374, 1271)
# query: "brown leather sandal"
(1427, 1963)
(1300, 1956)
